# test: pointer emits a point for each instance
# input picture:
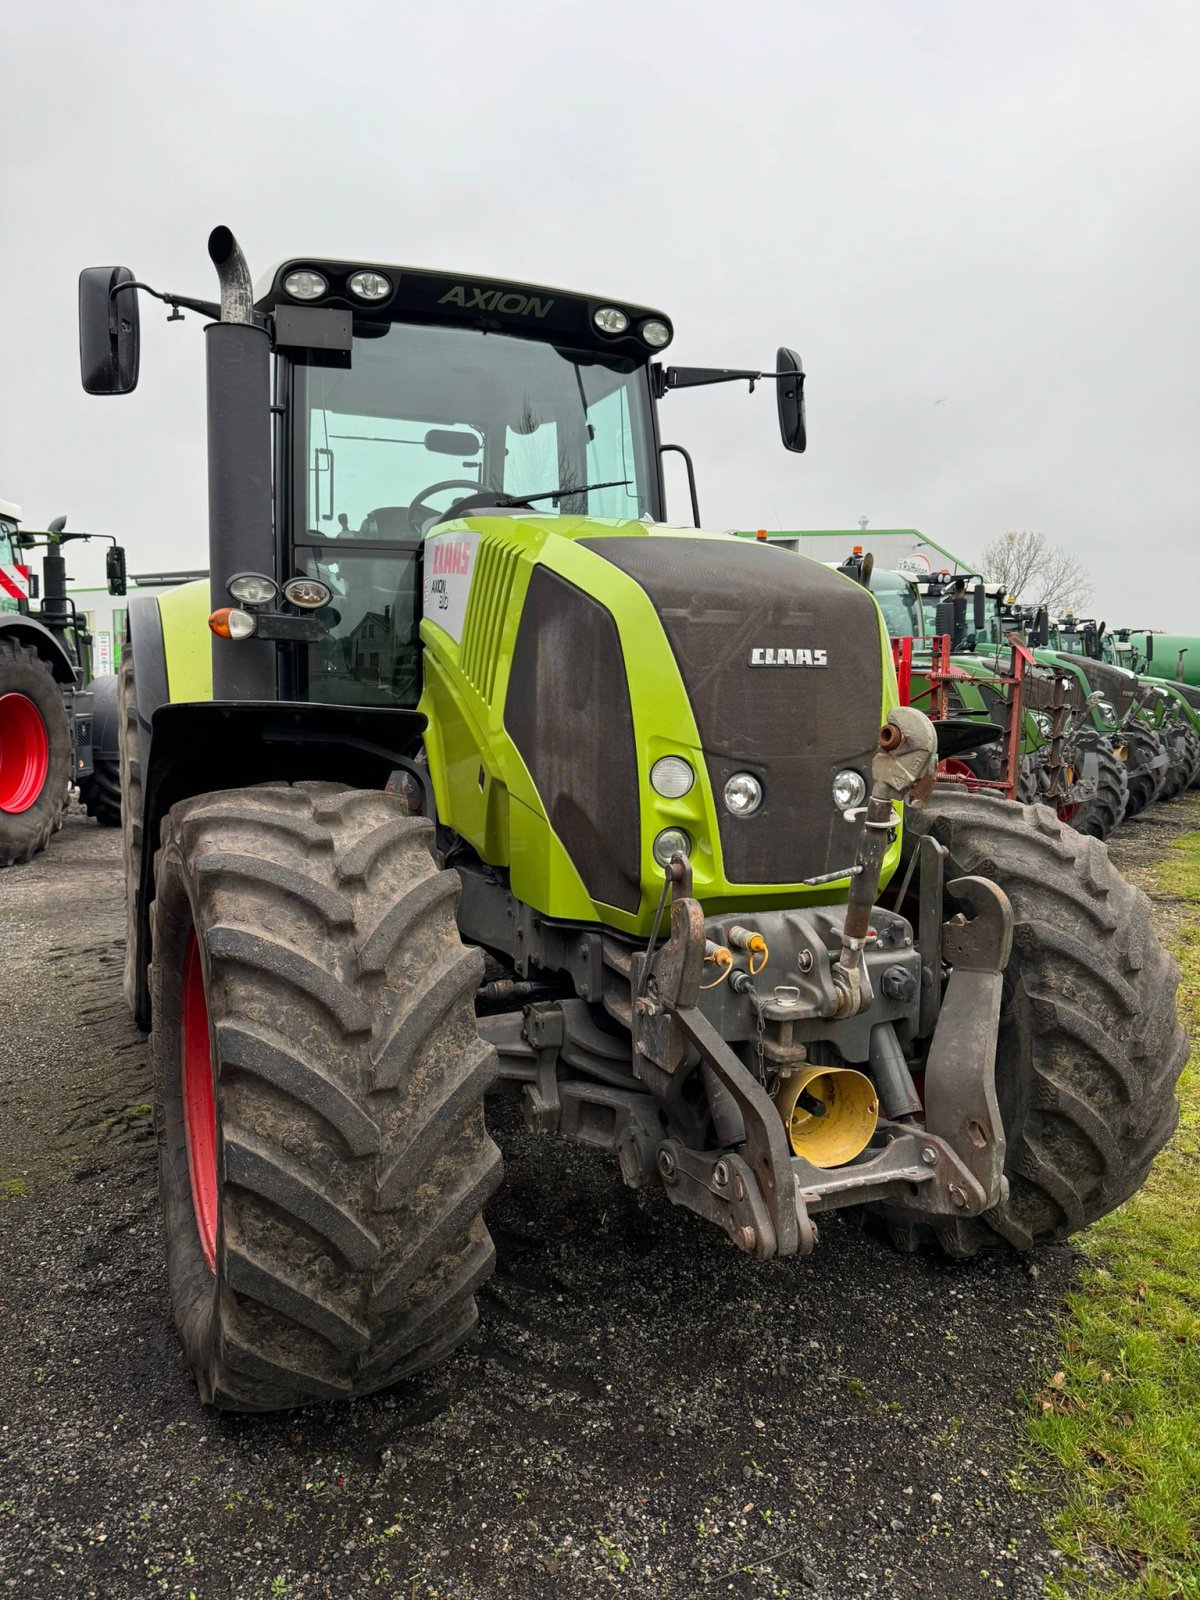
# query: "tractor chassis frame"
(586, 1082)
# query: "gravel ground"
(642, 1412)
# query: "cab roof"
(418, 294)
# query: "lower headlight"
(849, 789)
(1107, 710)
(743, 794)
(671, 842)
(308, 592)
(1043, 724)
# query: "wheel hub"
(199, 1108)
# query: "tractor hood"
(568, 655)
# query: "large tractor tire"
(1104, 809)
(1089, 1048)
(35, 753)
(130, 763)
(101, 792)
(323, 1158)
(1185, 754)
(1145, 785)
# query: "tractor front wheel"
(319, 1083)
(35, 753)
(1185, 755)
(1104, 808)
(1145, 783)
(1089, 1047)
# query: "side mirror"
(1040, 632)
(981, 614)
(789, 394)
(114, 570)
(109, 331)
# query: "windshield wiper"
(563, 492)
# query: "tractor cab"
(896, 594)
(417, 397)
(959, 606)
(399, 400)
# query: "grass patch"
(1121, 1416)
(16, 1189)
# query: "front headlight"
(849, 789)
(307, 592)
(743, 794)
(1043, 724)
(1108, 712)
(252, 588)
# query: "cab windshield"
(425, 416)
(422, 418)
(899, 603)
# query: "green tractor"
(1178, 702)
(1007, 723)
(1140, 716)
(56, 727)
(470, 774)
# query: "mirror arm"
(695, 377)
(205, 308)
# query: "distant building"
(106, 613)
(896, 549)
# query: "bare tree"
(1033, 569)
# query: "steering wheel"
(420, 511)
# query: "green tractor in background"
(468, 773)
(1174, 704)
(1149, 723)
(1014, 722)
(56, 724)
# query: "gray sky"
(992, 206)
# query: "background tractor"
(467, 772)
(1135, 714)
(1007, 723)
(56, 722)
(1170, 707)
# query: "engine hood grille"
(781, 660)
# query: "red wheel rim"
(24, 753)
(199, 1109)
(1066, 813)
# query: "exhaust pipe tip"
(221, 245)
(237, 290)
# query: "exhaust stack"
(240, 527)
(237, 292)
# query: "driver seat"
(388, 523)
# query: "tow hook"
(902, 771)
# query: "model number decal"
(763, 657)
(449, 564)
(505, 301)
